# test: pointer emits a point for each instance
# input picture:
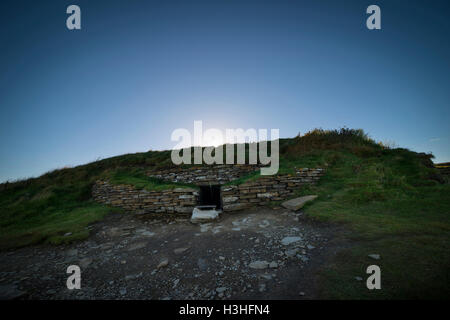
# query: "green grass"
(45, 214)
(43, 209)
(410, 231)
(391, 203)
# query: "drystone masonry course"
(266, 189)
(178, 200)
(205, 175)
(182, 200)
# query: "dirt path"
(244, 255)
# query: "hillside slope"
(392, 202)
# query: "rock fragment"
(163, 263)
(259, 264)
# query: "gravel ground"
(255, 254)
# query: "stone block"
(267, 195)
(229, 199)
(235, 206)
(186, 196)
(297, 203)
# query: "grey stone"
(186, 196)
(202, 265)
(297, 203)
(374, 256)
(235, 206)
(85, 262)
(137, 246)
(266, 195)
(229, 199)
(114, 232)
(183, 190)
(144, 232)
(182, 209)
(163, 263)
(303, 258)
(264, 224)
(288, 240)
(217, 229)
(258, 264)
(133, 276)
(180, 250)
(291, 253)
(205, 227)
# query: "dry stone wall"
(204, 175)
(178, 200)
(268, 188)
(182, 200)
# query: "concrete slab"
(204, 214)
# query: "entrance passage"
(210, 195)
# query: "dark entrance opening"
(210, 195)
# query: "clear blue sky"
(140, 69)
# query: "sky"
(138, 70)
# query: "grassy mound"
(47, 208)
(393, 202)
